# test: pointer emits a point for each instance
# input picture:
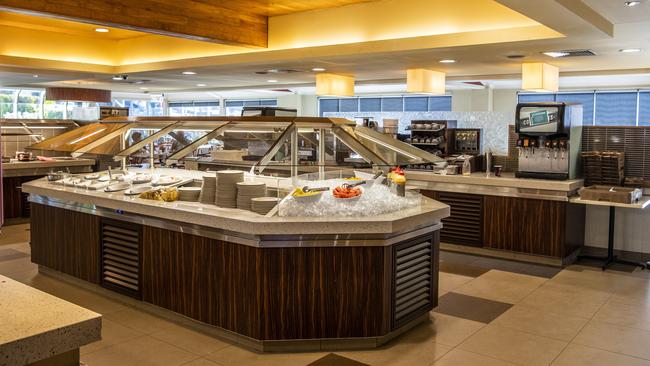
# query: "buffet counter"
(15, 173)
(507, 217)
(264, 281)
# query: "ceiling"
(481, 45)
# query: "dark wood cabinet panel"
(67, 241)
(14, 201)
(270, 293)
(525, 225)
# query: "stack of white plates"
(190, 194)
(208, 189)
(227, 187)
(248, 190)
(262, 205)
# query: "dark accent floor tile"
(458, 257)
(333, 359)
(10, 254)
(470, 307)
(598, 264)
(469, 270)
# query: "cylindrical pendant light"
(540, 77)
(425, 81)
(333, 85)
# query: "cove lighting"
(101, 30)
(630, 50)
(85, 137)
(447, 61)
(188, 73)
(143, 88)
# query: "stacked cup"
(262, 205)
(248, 190)
(226, 193)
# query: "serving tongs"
(352, 185)
(306, 189)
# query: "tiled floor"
(491, 312)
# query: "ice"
(375, 200)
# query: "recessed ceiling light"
(101, 30)
(200, 84)
(447, 61)
(143, 88)
(272, 70)
(34, 76)
(188, 73)
(272, 81)
(318, 69)
(556, 54)
(632, 3)
(629, 50)
(120, 77)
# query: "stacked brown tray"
(603, 167)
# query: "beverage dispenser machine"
(549, 140)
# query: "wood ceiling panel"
(283, 7)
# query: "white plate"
(137, 190)
(116, 187)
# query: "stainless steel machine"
(549, 140)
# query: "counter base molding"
(312, 297)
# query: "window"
(616, 109)
(644, 108)
(195, 108)
(7, 103)
(234, 107)
(385, 104)
(140, 107)
(587, 101)
(603, 108)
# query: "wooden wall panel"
(67, 241)
(209, 280)
(524, 225)
(12, 201)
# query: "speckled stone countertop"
(429, 212)
(35, 325)
(56, 163)
(506, 180)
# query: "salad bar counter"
(350, 266)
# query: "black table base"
(611, 258)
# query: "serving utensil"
(306, 189)
(352, 185)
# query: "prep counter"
(507, 217)
(266, 282)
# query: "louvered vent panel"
(634, 152)
(121, 258)
(463, 226)
(594, 139)
(413, 281)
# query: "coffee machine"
(549, 140)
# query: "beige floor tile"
(458, 357)
(513, 346)
(501, 286)
(10, 267)
(14, 234)
(236, 356)
(190, 340)
(606, 281)
(449, 281)
(142, 351)
(541, 322)
(401, 352)
(640, 297)
(567, 299)
(577, 355)
(633, 316)
(139, 320)
(614, 338)
(112, 334)
(201, 362)
(443, 329)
